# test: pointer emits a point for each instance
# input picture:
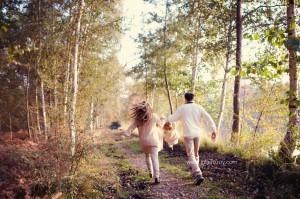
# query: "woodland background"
(61, 80)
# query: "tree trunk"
(67, 81)
(288, 144)
(55, 96)
(27, 103)
(37, 70)
(72, 121)
(236, 92)
(37, 109)
(165, 60)
(44, 111)
(224, 85)
(92, 116)
(10, 127)
(195, 57)
(223, 93)
(97, 122)
(55, 119)
(66, 90)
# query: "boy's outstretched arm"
(209, 123)
(174, 117)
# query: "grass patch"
(176, 170)
(175, 165)
(134, 146)
(105, 173)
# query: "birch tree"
(72, 122)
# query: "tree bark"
(224, 84)
(72, 121)
(289, 142)
(55, 119)
(67, 81)
(37, 70)
(91, 116)
(97, 122)
(10, 127)
(27, 103)
(44, 111)
(236, 93)
(66, 89)
(37, 109)
(195, 57)
(223, 93)
(165, 60)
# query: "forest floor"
(222, 180)
(115, 168)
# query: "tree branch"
(259, 7)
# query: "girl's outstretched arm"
(130, 129)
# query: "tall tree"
(226, 71)
(165, 58)
(195, 55)
(236, 92)
(291, 136)
(72, 121)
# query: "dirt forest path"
(171, 186)
(175, 186)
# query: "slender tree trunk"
(72, 122)
(97, 121)
(66, 90)
(56, 118)
(223, 93)
(67, 81)
(44, 111)
(243, 112)
(27, 102)
(37, 109)
(37, 70)
(10, 127)
(55, 95)
(224, 84)
(288, 144)
(236, 92)
(176, 100)
(165, 60)
(92, 116)
(195, 57)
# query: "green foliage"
(37, 41)
(267, 67)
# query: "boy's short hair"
(189, 96)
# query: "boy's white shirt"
(192, 117)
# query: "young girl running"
(150, 136)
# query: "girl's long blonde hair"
(141, 113)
